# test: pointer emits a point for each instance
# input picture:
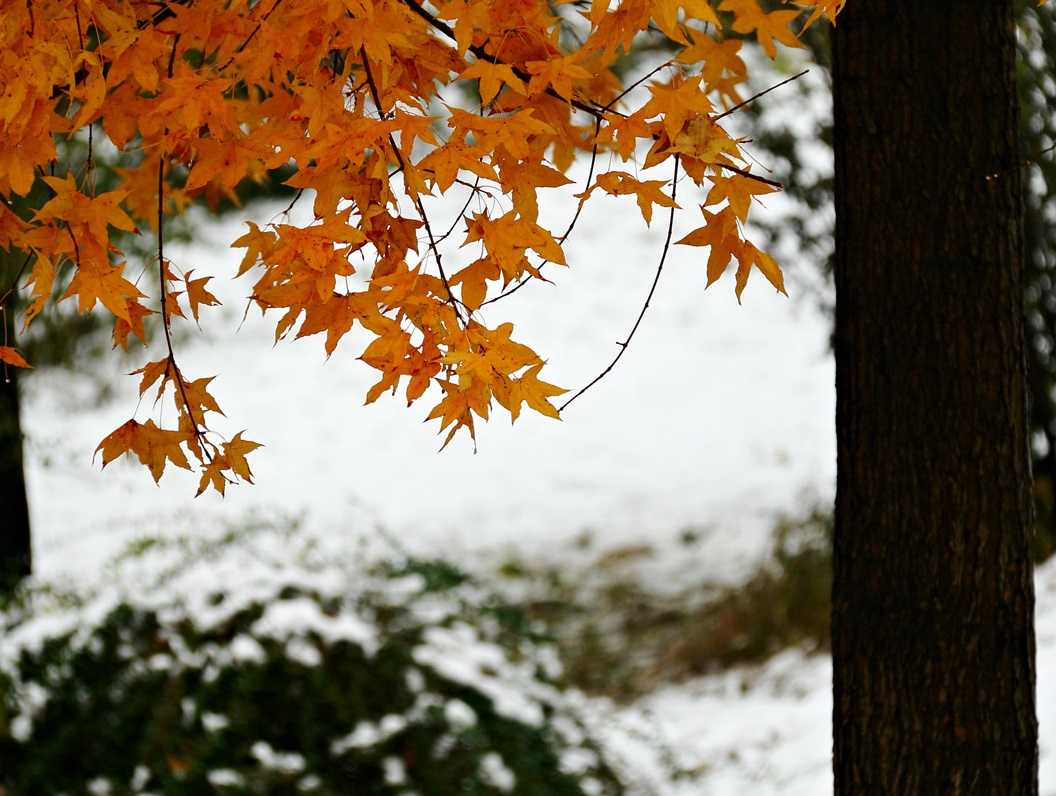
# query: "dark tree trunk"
(15, 556)
(933, 597)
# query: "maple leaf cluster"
(378, 106)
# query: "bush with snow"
(260, 662)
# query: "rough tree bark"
(15, 557)
(933, 597)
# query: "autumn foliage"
(379, 106)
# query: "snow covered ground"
(718, 416)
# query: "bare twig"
(579, 210)
(199, 435)
(14, 282)
(648, 298)
(433, 243)
(1028, 162)
(749, 175)
(754, 97)
(249, 38)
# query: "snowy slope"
(718, 412)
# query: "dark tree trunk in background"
(15, 558)
(933, 597)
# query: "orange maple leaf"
(105, 284)
(236, 451)
(197, 98)
(721, 234)
(197, 295)
(11, 356)
(93, 212)
(153, 446)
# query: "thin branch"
(77, 19)
(754, 97)
(462, 212)
(172, 55)
(181, 386)
(161, 251)
(634, 85)
(749, 175)
(648, 298)
(296, 198)
(434, 248)
(90, 177)
(568, 231)
(586, 189)
(3, 319)
(14, 282)
(433, 245)
(249, 38)
(1028, 162)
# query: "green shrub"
(248, 666)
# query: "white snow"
(458, 654)
(495, 773)
(285, 618)
(286, 762)
(221, 777)
(459, 715)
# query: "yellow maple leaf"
(748, 256)
(492, 78)
(738, 190)
(474, 281)
(193, 397)
(334, 316)
(704, 140)
(647, 192)
(93, 212)
(830, 8)
(749, 17)
(152, 371)
(721, 234)
(537, 393)
(453, 411)
(118, 442)
(666, 15)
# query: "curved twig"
(648, 298)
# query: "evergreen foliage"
(231, 670)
